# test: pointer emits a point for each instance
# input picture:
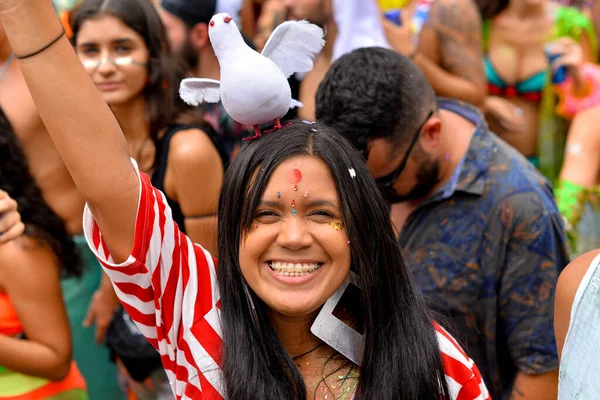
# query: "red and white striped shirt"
(169, 287)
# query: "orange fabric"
(73, 381)
(9, 321)
(64, 19)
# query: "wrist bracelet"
(62, 32)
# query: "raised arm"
(82, 126)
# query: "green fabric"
(75, 394)
(553, 130)
(14, 384)
(93, 360)
(570, 199)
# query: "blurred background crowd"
(529, 66)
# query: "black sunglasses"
(386, 183)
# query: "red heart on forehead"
(294, 176)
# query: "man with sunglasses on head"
(479, 223)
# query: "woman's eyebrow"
(270, 203)
(122, 41)
(87, 44)
(320, 203)
(116, 41)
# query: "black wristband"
(62, 32)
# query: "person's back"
(481, 230)
(47, 168)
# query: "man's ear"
(431, 134)
(199, 36)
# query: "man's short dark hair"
(191, 12)
(374, 93)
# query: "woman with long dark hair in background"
(302, 227)
(123, 47)
(35, 339)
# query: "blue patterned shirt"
(486, 250)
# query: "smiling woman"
(264, 324)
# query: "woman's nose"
(106, 65)
(294, 234)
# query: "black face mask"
(386, 183)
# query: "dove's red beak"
(227, 19)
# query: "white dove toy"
(254, 87)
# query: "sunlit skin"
(307, 237)
(45, 164)
(315, 11)
(518, 37)
(106, 38)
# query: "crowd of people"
(426, 225)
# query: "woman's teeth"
(288, 269)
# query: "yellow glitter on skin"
(337, 226)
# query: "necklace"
(296, 358)
(6, 65)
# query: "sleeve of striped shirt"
(166, 285)
(462, 375)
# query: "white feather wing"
(293, 46)
(195, 91)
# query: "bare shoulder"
(192, 145)
(566, 289)
(22, 258)
(572, 275)
(459, 18)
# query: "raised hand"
(509, 116)
(10, 219)
(571, 57)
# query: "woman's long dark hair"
(41, 223)
(166, 71)
(401, 359)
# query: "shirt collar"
(471, 172)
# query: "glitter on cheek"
(306, 194)
(295, 188)
(278, 195)
(337, 226)
(294, 212)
